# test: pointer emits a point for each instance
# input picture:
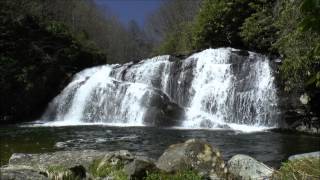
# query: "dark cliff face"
(295, 114)
(37, 62)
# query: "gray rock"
(70, 164)
(305, 155)
(138, 168)
(308, 129)
(66, 159)
(246, 168)
(21, 173)
(193, 154)
(117, 158)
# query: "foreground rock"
(191, 160)
(138, 168)
(21, 173)
(57, 165)
(87, 164)
(305, 155)
(66, 159)
(195, 155)
(246, 168)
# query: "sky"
(128, 10)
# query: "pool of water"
(269, 147)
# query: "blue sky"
(128, 10)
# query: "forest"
(45, 42)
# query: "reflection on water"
(269, 147)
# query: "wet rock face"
(300, 111)
(195, 155)
(160, 110)
(246, 168)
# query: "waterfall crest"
(214, 88)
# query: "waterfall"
(215, 88)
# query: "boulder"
(193, 155)
(137, 169)
(67, 159)
(160, 110)
(305, 155)
(21, 173)
(64, 164)
(246, 168)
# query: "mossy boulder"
(194, 155)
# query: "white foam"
(117, 100)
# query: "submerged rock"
(195, 155)
(305, 155)
(246, 168)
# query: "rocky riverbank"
(193, 159)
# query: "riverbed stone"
(137, 169)
(244, 167)
(67, 159)
(21, 173)
(74, 164)
(193, 155)
(305, 155)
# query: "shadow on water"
(268, 147)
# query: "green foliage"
(303, 169)
(218, 23)
(99, 168)
(38, 58)
(299, 47)
(185, 175)
(258, 30)
(178, 41)
(311, 12)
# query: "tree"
(219, 21)
(298, 47)
(170, 26)
(258, 32)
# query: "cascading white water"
(216, 88)
(212, 83)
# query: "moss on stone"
(59, 172)
(100, 168)
(302, 169)
(185, 175)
